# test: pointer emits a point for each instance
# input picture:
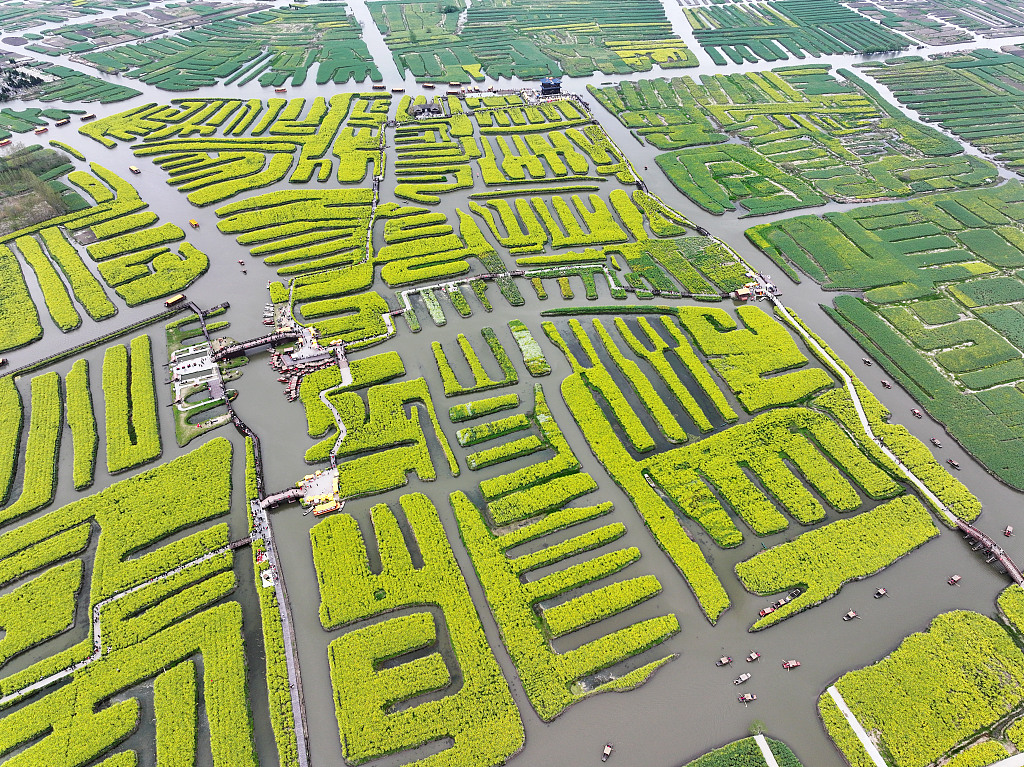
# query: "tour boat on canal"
(953, 463)
(936, 442)
(742, 678)
(886, 384)
(953, 580)
(747, 698)
(1008, 532)
(753, 656)
(766, 611)
(881, 593)
(607, 752)
(916, 413)
(788, 664)
(865, 360)
(850, 616)
(725, 660)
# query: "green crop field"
(806, 135)
(941, 305)
(528, 38)
(529, 429)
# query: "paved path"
(848, 381)
(858, 729)
(97, 639)
(766, 752)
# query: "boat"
(953, 463)
(795, 593)
(881, 593)
(742, 678)
(175, 299)
(607, 752)
(43, 129)
(454, 85)
(380, 87)
(429, 86)
(90, 116)
(398, 90)
(746, 698)
(280, 90)
(753, 656)
(193, 223)
(766, 611)
(5, 142)
(788, 664)
(886, 384)
(283, 380)
(936, 442)
(3, 362)
(916, 413)
(725, 660)
(865, 360)
(65, 121)
(850, 616)
(953, 580)
(134, 169)
(1008, 532)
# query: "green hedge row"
(481, 407)
(82, 422)
(132, 419)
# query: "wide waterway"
(690, 705)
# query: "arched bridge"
(235, 350)
(279, 499)
(994, 550)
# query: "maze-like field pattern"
(807, 137)
(528, 38)
(942, 305)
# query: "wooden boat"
(795, 593)
(37, 131)
(90, 116)
(753, 656)
(788, 664)
(280, 90)
(607, 752)
(747, 698)
(916, 413)
(65, 121)
(3, 362)
(742, 678)
(398, 90)
(429, 86)
(865, 360)
(936, 442)
(953, 463)
(953, 580)
(881, 593)
(766, 611)
(886, 384)
(380, 87)
(193, 223)
(1008, 532)
(850, 616)
(725, 660)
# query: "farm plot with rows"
(776, 31)
(806, 136)
(527, 38)
(942, 282)
(945, 22)
(974, 95)
(275, 45)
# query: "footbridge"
(290, 495)
(273, 339)
(990, 547)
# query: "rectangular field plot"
(236, 50)
(527, 38)
(808, 136)
(944, 22)
(975, 95)
(774, 31)
(942, 304)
